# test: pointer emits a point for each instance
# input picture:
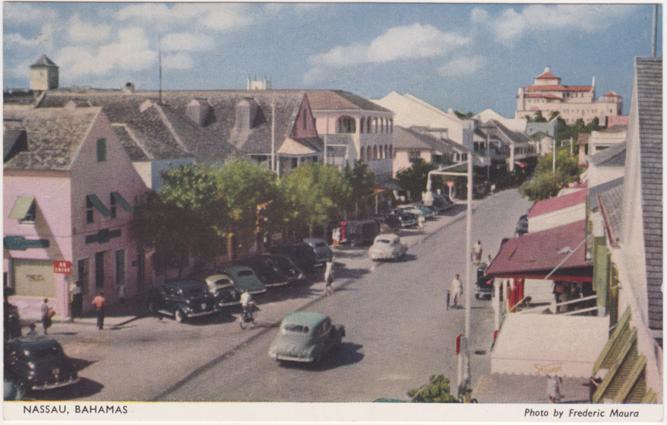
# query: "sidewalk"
(506, 388)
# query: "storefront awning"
(99, 206)
(123, 203)
(561, 250)
(21, 207)
(520, 164)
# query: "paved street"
(398, 332)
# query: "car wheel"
(179, 316)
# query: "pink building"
(68, 193)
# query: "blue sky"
(464, 56)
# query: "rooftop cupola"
(43, 74)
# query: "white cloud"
(314, 76)
(44, 39)
(185, 41)
(177, 61)
(129, 52)
(214, 16)
(463, 66)
(511, 24)
(83, 32)
(27, 14)
(402, 42)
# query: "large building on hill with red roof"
(548, 95)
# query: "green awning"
(21, 207)
(99, 206)
(123, 203)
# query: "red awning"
(535, 255)
(558, 203)
(520, 164)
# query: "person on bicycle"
(246, 301)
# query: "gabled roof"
(594, 191)
(404, 138)
(610, 201)
(613, 156)
(340, 99)
(43, 61)
(54, 137)
(13, 141)
(546, 206)
(648, 74)
(547, 75)
(506, 135)
(537, 254)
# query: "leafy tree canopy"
(414, 179)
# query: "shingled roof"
(648, 74)
(53, 135)
(341, 100)
(405, 138)
(43, 61)
(613, 156)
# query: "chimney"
(128, 88)
(198, 111)
(246, 113)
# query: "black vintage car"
(12, 323)
(273, 270)
(300, 253)
(38, 364)
(182, 299)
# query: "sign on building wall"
(62, 267)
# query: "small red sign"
(62, 267)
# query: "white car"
(387, 247)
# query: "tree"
(414, 179)
(243, 186)
(437, 390)
(545, 183)
(538, 117)
(314, 194)
(541, 186)
(361, 180)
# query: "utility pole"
(273, 135)
(326, 134)
(468, 288)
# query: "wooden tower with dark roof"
(43, 74)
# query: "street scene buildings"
(325, 239)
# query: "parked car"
(182, 299)
(408, 220)
(305, 337)
(387, 247)
(388, 223)
(322, 251)
(480, 190)
(441, 203)
(483, 283)
(522, 225)
(359, 232)
(417, 210)
(266, 270)
(244, 278)
(287, 267)
(300, 253)
(221, 287)
(38, 364)
(12, 323)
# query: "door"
(99, 270)
(120, 267)
(34, 278)
(141, 266)
(83, 274)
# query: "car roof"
(191, 283)
(389, 236)
(214, 277)
(36, 342)
(307, 318)
(237, 268)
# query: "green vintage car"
(244, 278)
(305, 337)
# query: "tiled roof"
(612, 94)
(405, 138)
(54, 137)
(611, 204)
(13, 141)
(648, 74)
(613, 156)
(539, 253)
(508, 136)
(594, 191)
(541, 96)
(547, 75)
(43, 61)
(555, 87)
(343, 100)
(129, 143)
(557, 203)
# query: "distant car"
(388, 223)
(182, 299)
(221, 287)
(305, 337)
(300, 253)
(322, 251)
(287, 267)
(441, 203)
(480, 190)
(387, 247)
(12, 323)
(244, 278)
(522, 225)
(408, 220)
(359, 232)
(266, 270)
(38, 364)
(417, 210)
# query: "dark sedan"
(300, 253)
(182, 299)
(38, 364)
(272, 270)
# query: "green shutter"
(123, 203)
(21, 207)
(606, 358)
(618, 375)
(101, 150)
(99, 206)
(601, 271)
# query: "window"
(363, 153)
(391, 151)
(82, 270)
(295, 162)
(90, 213)
(30, 215)
(120, 267)
(99, 270)
(414, 155)
(112, 203)
(375, 152)
(369, 153)
(101, 150)
(386, 151)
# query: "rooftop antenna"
(159, 58)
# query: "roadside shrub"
(542, 186)
(436, 391)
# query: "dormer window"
(24, 210)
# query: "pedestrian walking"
(122, 293)
(99, 302)
(455, 291)
(329, 277)
(421, 222)
(77, 299)
(32, 331)
(477, 252)
(47, 314)
(554, 383)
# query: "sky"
(462, 56)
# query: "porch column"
(496, 304)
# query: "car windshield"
(193, 292)
(386, 241)
(246, 273)
(294, 328)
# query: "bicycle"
(247, 319)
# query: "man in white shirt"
(455, 291)
(477, 252)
